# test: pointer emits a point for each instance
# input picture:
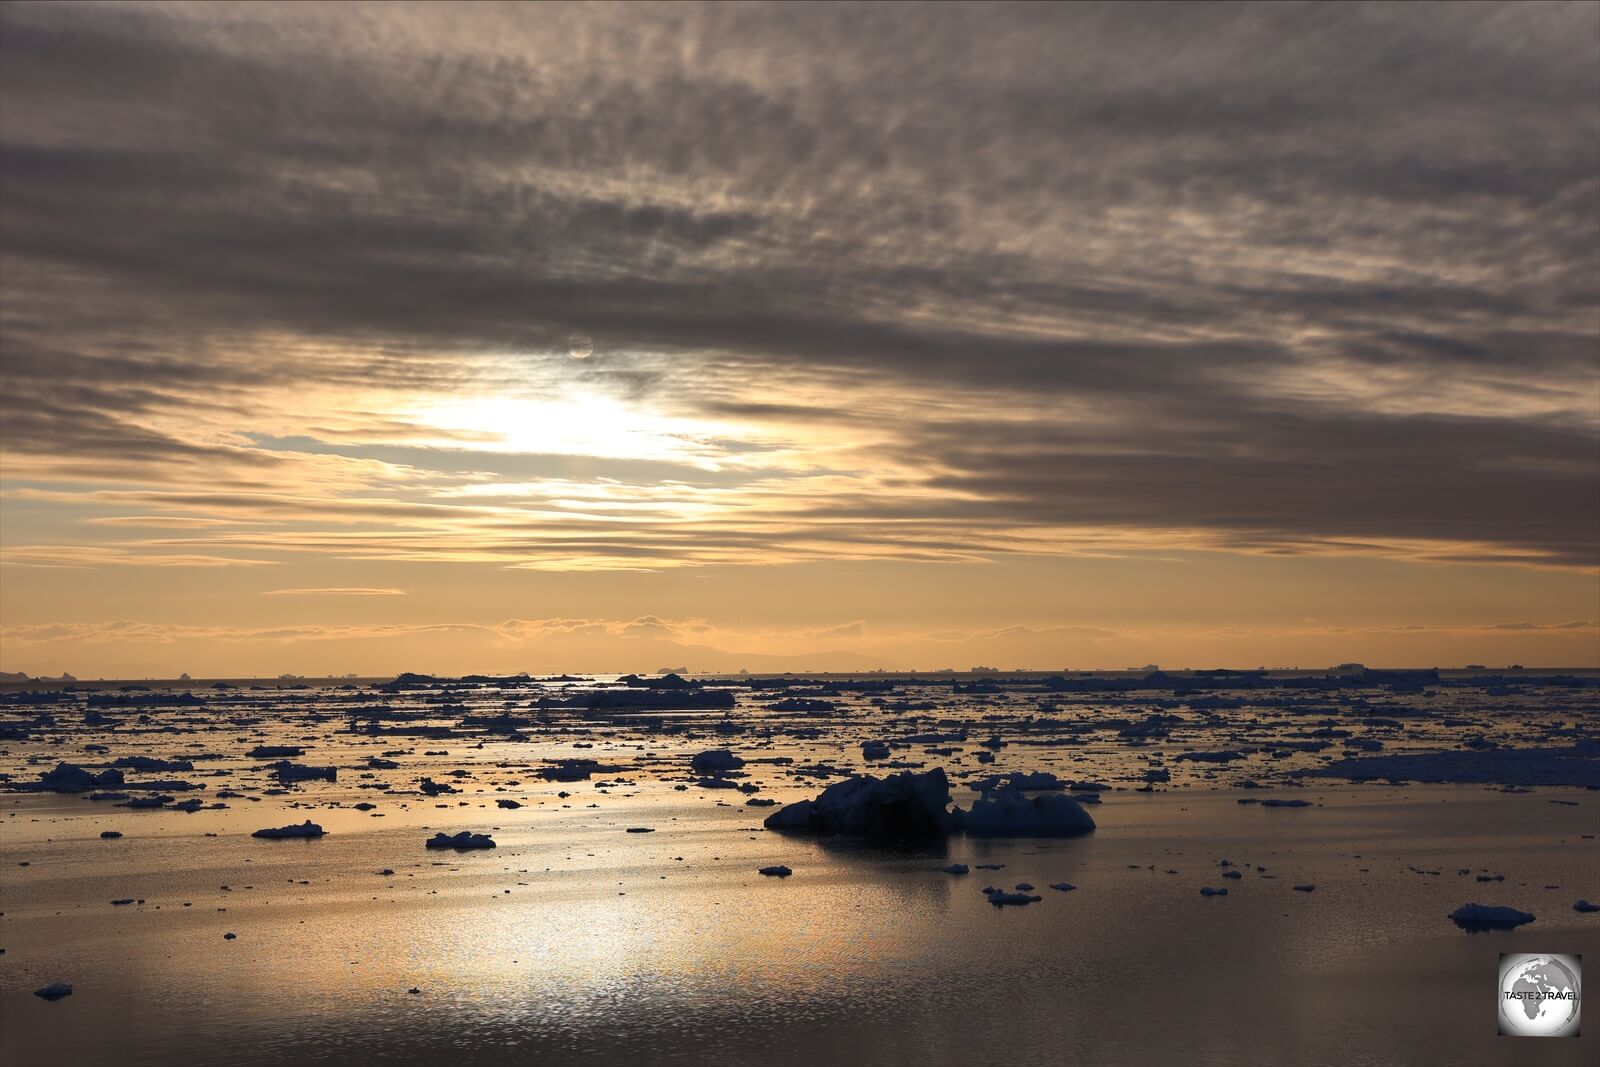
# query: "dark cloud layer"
(1286, 274)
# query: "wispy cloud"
(89, 556)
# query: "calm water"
(576, 942)
(609, 949)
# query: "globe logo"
(1540, 996)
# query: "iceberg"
(1008, 813)
(902, 805)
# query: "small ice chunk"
(777, 870)
(956, 868)
(1000, 898)
(295, 772)
(54, 991)
(465, 839)
(716, 761)
(1306, 888)
(1475, 917)
(1585, 906)
(1065, 887)
(1208, 891)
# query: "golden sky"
(612, 337)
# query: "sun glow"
(579, 423)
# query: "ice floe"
(305, 829)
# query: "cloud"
(89, 556)
(1270, 279)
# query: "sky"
(347, 338)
